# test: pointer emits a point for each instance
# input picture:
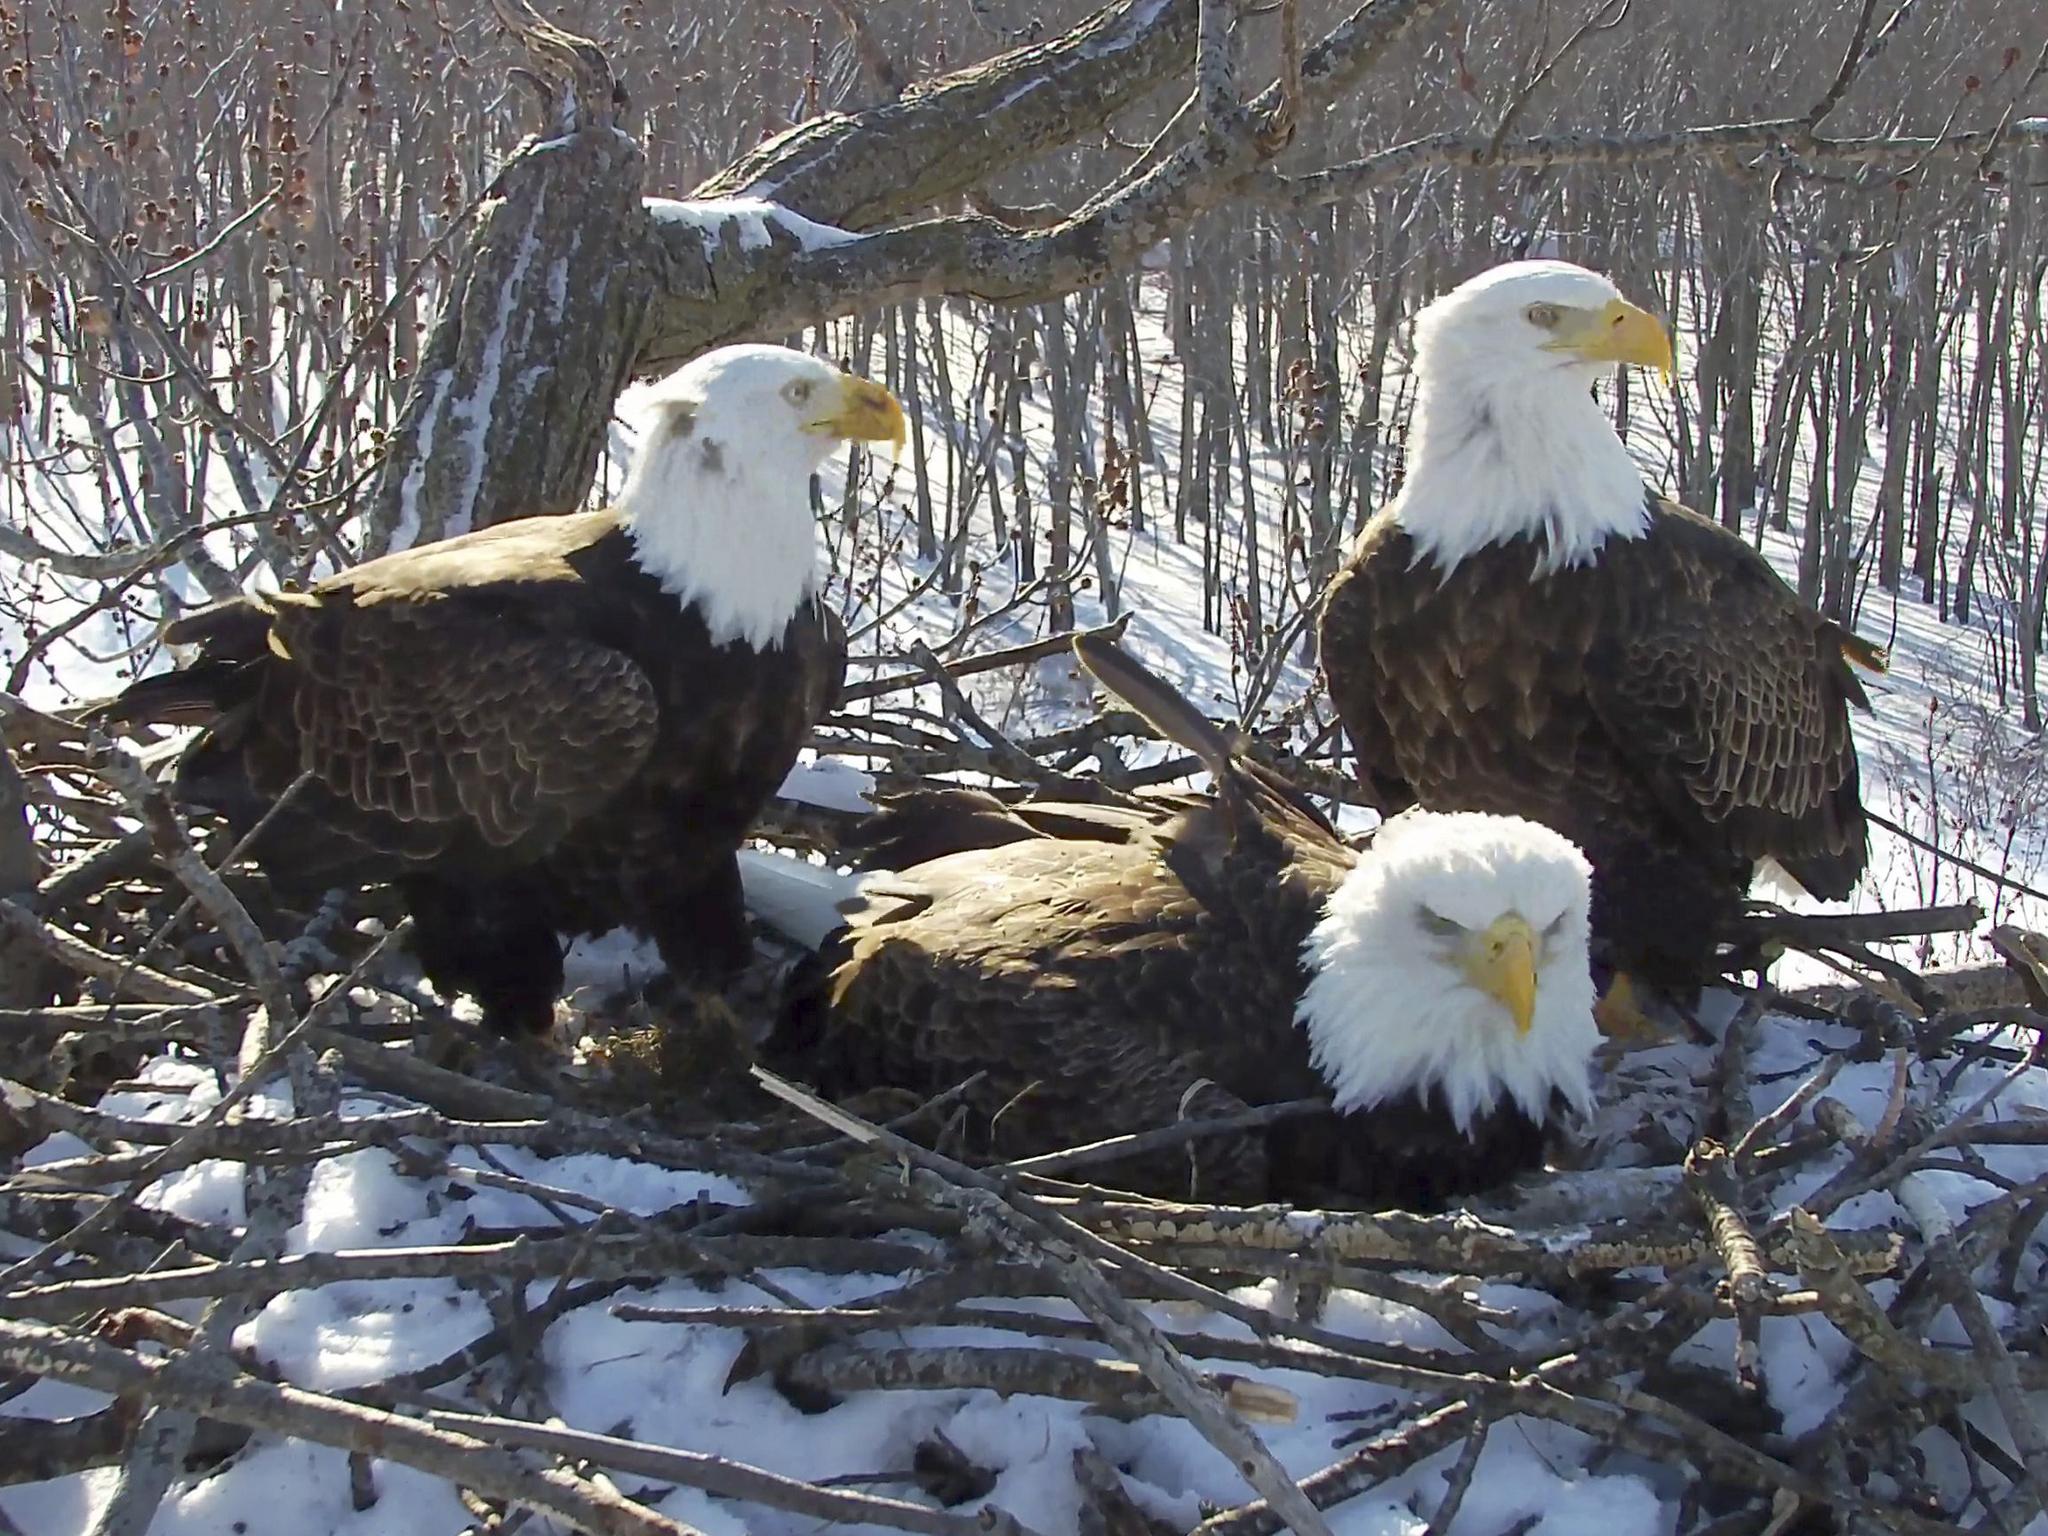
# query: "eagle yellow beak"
(1501, 962)
(861, 410)
(1617, 332)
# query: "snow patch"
(406, 531)
(831, 784)
(756, 218)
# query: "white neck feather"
(1363, 1044)
(1492, 457)
(724, 529)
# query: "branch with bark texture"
(212, 1386)
(788, 285)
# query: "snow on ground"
(1941, 756)
(665, 1383)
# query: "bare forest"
(227, 230)
(286, 284)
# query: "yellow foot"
(1621, 1017)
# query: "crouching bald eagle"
(1526, 630)
(1112, 969)
(554, 725)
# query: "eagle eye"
(797, 391)
(1543, 316)
(1439, 925)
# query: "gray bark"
(27, 979)
(510, 404)
(568, 289)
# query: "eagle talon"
(1621, 1017)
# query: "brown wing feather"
(1673, 708)
(1071, 978)
(1725, 688)
(428, 712)
(914, 826)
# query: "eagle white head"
(718, 498)
(1454, 957)
(1507, 439)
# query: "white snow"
(406, 531)
(830, 784)
(472, 413)
(666, 1383)
(755, 219)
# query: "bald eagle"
(555, 725)
(1525, 629)
(1108, 969)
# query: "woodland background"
(278, 287)
(288, 185)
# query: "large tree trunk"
(510, 405)
(570, 287)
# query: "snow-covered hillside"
(1943, 758)
(1944, 754)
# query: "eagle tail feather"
(1829, 876)
(1867, 654)
(238, 628)
(914, 826)
(231, 635)
(1156, 701)
(193, 695)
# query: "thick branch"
(857, 170)
(732, 1479)
(1113, 1388)
(1792, 137)
(713, 296)
(212, 1386)
(651, 1253)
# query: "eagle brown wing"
(914, 826)
(1062, 978)
(1731, 697)
(434, 711)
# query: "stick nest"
(1856, 1165)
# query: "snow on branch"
(802, 281)
(1776, 141)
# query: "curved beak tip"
(1619, 332)
(869, 413)
(1639, 337)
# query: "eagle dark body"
(520, 727)
(1111, 968)
(915, 826)
(1672, 707)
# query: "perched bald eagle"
(555, 725)
(1108, 969)
(1526, 630)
